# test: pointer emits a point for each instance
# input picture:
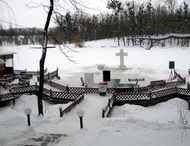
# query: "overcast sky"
(36, 17)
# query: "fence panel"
(8, 96)
(28, 89)
(64, 95)
(131, 96)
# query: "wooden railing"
(10, 86)
(28, 89)
(131, 96)
(19, 72)
(179, 77)
(57, 86)
(120, 90)
(63, 95)
(22, 81)
(7, 78)
(138, 97)
(45, 91)
(83, 90)
(162, 93)
(7, 96)
(105, 111)
(150, 95)
(71, 106)
(51, 75)
(25, 76)
(183, 91)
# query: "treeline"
(20, 36)
(129, 22)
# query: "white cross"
(122, 54)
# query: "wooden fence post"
(36, 85)
(48, 76)
(184, 80)
(189, 104)
(57, 73)
(60, 110)
(188, 85)
(150, 100)
(138, 88)
(109, 102)
(50, 96)
(13, 101)
(67, 88)
(103, 113)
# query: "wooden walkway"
(150, 95)
(146, 98)
(156, 92)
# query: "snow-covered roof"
(7, 53)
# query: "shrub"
(78, 41)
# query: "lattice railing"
(119, 90)
(162, 93)
(150, 95)
(63, 95)
(20, 85)
(83, 90)
(183, 91)
(8, 96)
(28, 89)
(131, 96)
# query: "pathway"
(92, 105)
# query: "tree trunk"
(118, 41)
(42, 60)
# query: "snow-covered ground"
(128, 125)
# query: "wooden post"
(150, 100)
(103, 113)
(109, 103)
(60, 110)
(50, 93)
(189, 104)
(138, 88)
(28, 83)
(67, 88)
(184, 80)
(188, 85)
(13, 101)
(48, 76)
(57, 73)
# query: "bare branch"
(64, 53)
(11, 10)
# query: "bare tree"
(43, 57)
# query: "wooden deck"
(4, 98)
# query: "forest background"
(130, 22)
